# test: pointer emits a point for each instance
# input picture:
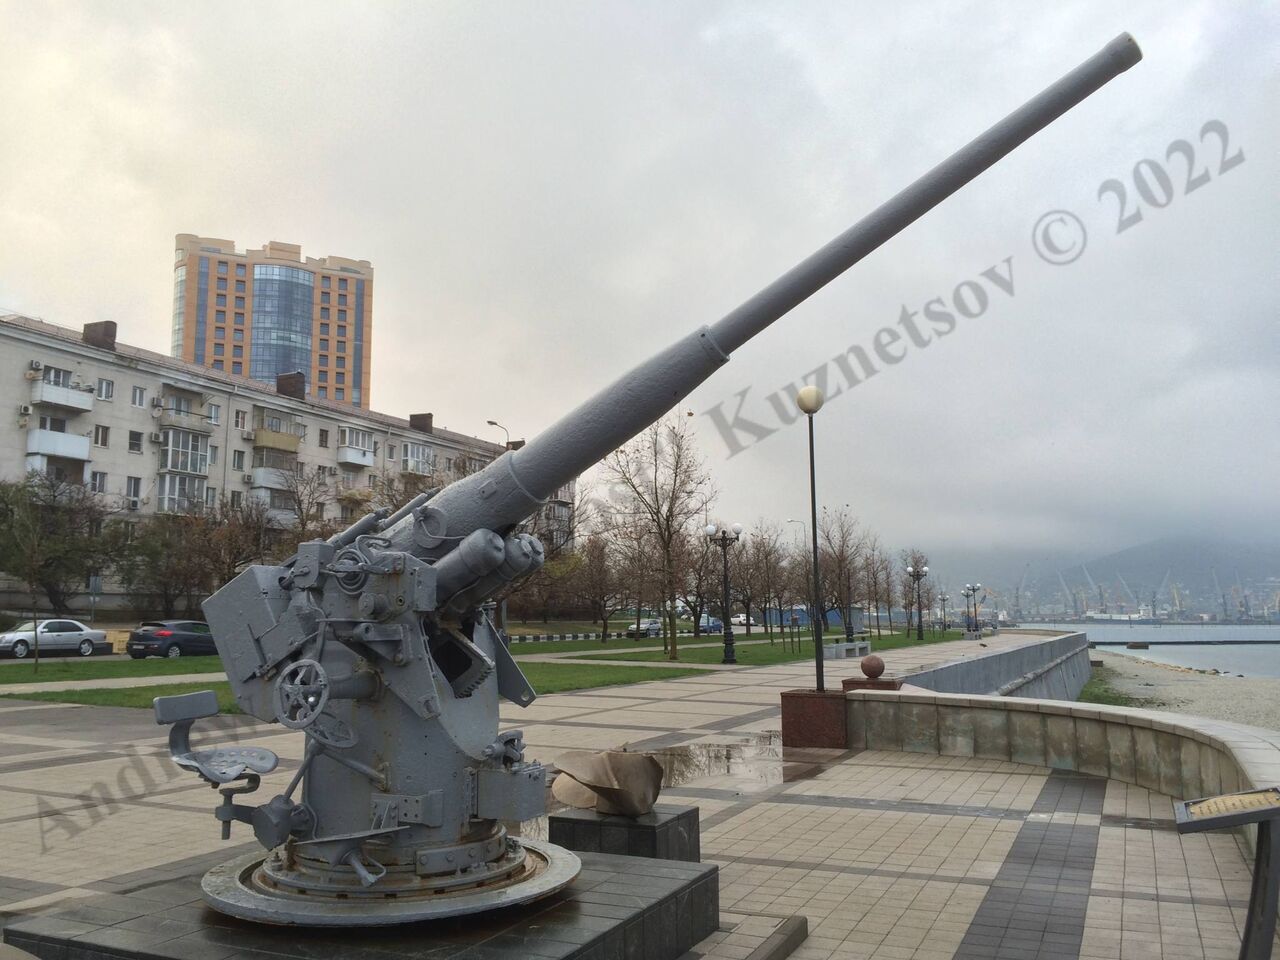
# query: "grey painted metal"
(378, 644)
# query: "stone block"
(668, 832)
(1060, 741)
(990, 733)
(1190, 786)
(1169, 752)
(1210, 779)
(1026, 737)
(813, 719)
(1120, 752)
(856, 723)
(1146, 763)
(1091, 747)
(956, 730)
(919, 727)
(884, 731)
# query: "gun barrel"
(513, 487)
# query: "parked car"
(646, 628)
(170, 638)
(742, 620)
(56, 636)
(709, 624)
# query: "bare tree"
(234, 535)
(842, 544)
(596, 579)
(766, 569)
(308, 494)
(697, 580)
(666, 489)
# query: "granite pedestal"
(668, 832)
(813, 719)
(618, 908)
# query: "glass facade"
(179, 299)
(202, 307)
(357, 382)
(282, 299)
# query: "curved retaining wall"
(1057, 668)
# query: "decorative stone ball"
(872, 666)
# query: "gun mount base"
(245, 888)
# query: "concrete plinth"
(624, 907)
(669, 832)
(813, 719)
(866, 683)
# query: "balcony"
(64, 398)
(51, 443)
(182, 420)
(355, 457)
(276, 439)
(270, 478)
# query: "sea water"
(1252, 650)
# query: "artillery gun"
(379, 647)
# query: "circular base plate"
(226, 889)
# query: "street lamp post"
(917, 575)
(724, 540)
(809, 399)
(505, 432)
(970, 593)
(944, 598)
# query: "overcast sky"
(551, 192)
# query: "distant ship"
(1144, 615)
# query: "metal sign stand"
(1233, 810)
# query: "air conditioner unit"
(155, 436)
(157, 402)
(24, 409)
(131, 503)
(246, 435)
(247, 479)
(37, 365)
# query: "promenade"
(888, 855)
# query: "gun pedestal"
(1260, 807)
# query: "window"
(324, 360)
(222, 283)
(219, 316)
(324, 315)
(237, 460)
(219, 333)
(237, 498)
(342, 299)
(324, 297)
(184, 451)
(240, 319)
(217, 365)
(325, 282)
(179, 492)
(340, 363)
(324, 344)
(340, 378)
(240, 271)
(239, 286)
(323, 392)
(323, 376)
(106, 389)
(57, 377)
(133, 487)
(239, 336)
(280, 500)
(139, 398)
(210, 496)
(417, 458)
(219, 349)
(342, 283)
(339, 393)
(237, 368)
(391, 451)
(241, 418)
(342, 318)
(222, 268)
(239, 303)
(135, 441)
(53, 424)
(342, 346)
(342, 331)
(98, 481)
(180, 405)
(215, 413)
(351, 437)
(324, 329)
(324, 438)
(221, 300)
(101, 435)
(237, 351)
(213, 454)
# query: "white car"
(742, 620)
(56, 636)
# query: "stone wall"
(1057, 668)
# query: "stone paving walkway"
(888, 855)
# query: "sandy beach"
(1255, 701)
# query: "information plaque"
(1261, 806)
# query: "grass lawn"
(563, 626)
(1099, 689)
(92, 669)
(545, 677)
(780, 651)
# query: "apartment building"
(266, 312)
(158, 434)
